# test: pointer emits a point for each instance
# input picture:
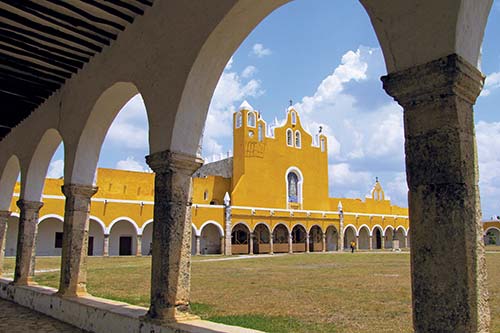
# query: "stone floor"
(17, 319)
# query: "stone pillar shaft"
(4, 219)
(323, 243)
(341, 232)
(290, 244)
(138, 248)
(73, 278)
(105, 251)
(357, 242)
(26, 241)
(198, 245)
(271, 243)
(252, 237)
(370, 245)
(228, 250)
(171, 260)
(444, 209)
(382, 242)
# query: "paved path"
(17, 319)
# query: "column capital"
(31, 205)
(78, 190)
(167, 161)
(5, 214)
(431, 82)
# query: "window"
(260, 134)
(239, 120)
(293, 187)
(297, 139)
(289, 139)
(294, 118)
(322, 145)
(59, 240)
(205, 195)
(251, 119)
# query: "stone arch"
(146, 233)
(10, 174)
(33, 177)
(281, 235)
(210, 238)
(96, 237)
(299, 238)
(315, 238)
(332, 236)
(492, 236)
(364, 237)
(240, 238)
(49, 236)
(377, 237)
(388, 235)
(81, 167)
(12, 234)
(123, 237)
(262, 238)
(401, 236)
(349, 235)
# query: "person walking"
(353, 246)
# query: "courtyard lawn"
(364, 292)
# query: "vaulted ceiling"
(44, 42)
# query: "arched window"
(239, 120)
(293, 187)
(205, 195)
(251, 119)
(322, 145)
(289, 138)
(294, 118)
(260, 134)
(297, 139)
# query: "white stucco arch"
(196, 231)
(387, 228)
(377, 226)
(10, 173)
(217, 225)
(33, 175)
(49, 227)
(100, 222)
(300, 225)
(283, 224)
(315, 225)
(491, 228)
(367, 228)
(51, 216)
(144, 225)
(405, 232)
(123, 218)
(300, 184)
(244, 223)
(352, 226)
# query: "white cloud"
(131, 164)
(260, 51)
(56, 169)
(491, 83)
(248, 72)
(341, 174)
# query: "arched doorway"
(261, 239)
(349, 236)
(11, 238)
(400, 236)
(364, 238)
(377, 238)
(147, 239)
(492, 237)
(316, 239)
(389, 235)
(332, 239)
(49, 237)
(122, 239)
(96, 238)
(280, 239)
(299, 238)
(240, 239)
(210, 241)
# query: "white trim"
(315, 225)
(196, 231)
(299, 146)
(377, 215)
(207, 206)
(219, 227)
(238, 114)
(347, 227)
(291, 137)
(331, 225)
(300, 184)
(380, 228)
(263, 223)
(144, 225)
(244, 223)
(300, 224)
(254, 118)
(123, 218)
(486, 231)
(62, 197)
(405, 233)
(389, 226)
(99, 221)
(367, 228)
(51, 216)
(283, 224)
(14, 214)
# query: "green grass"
(364, 292)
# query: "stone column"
(105, 251)
(307, 242)
(4, 219)
(323, 240)
(171, 261)
(271, 243)
(26, 241)
(290, 244)
(73, 280)
(444, 208)
(138, 246)
(382, 242)
(357, 242)
(250, 244)
(341, 232)
(227, 221)
(370, 240)
(198, 245)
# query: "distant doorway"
(125, 246)
(378, 239)
(90, 249)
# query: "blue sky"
(324, 56)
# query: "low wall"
(99, 315)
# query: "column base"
(170, 315)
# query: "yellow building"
(276, 184)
